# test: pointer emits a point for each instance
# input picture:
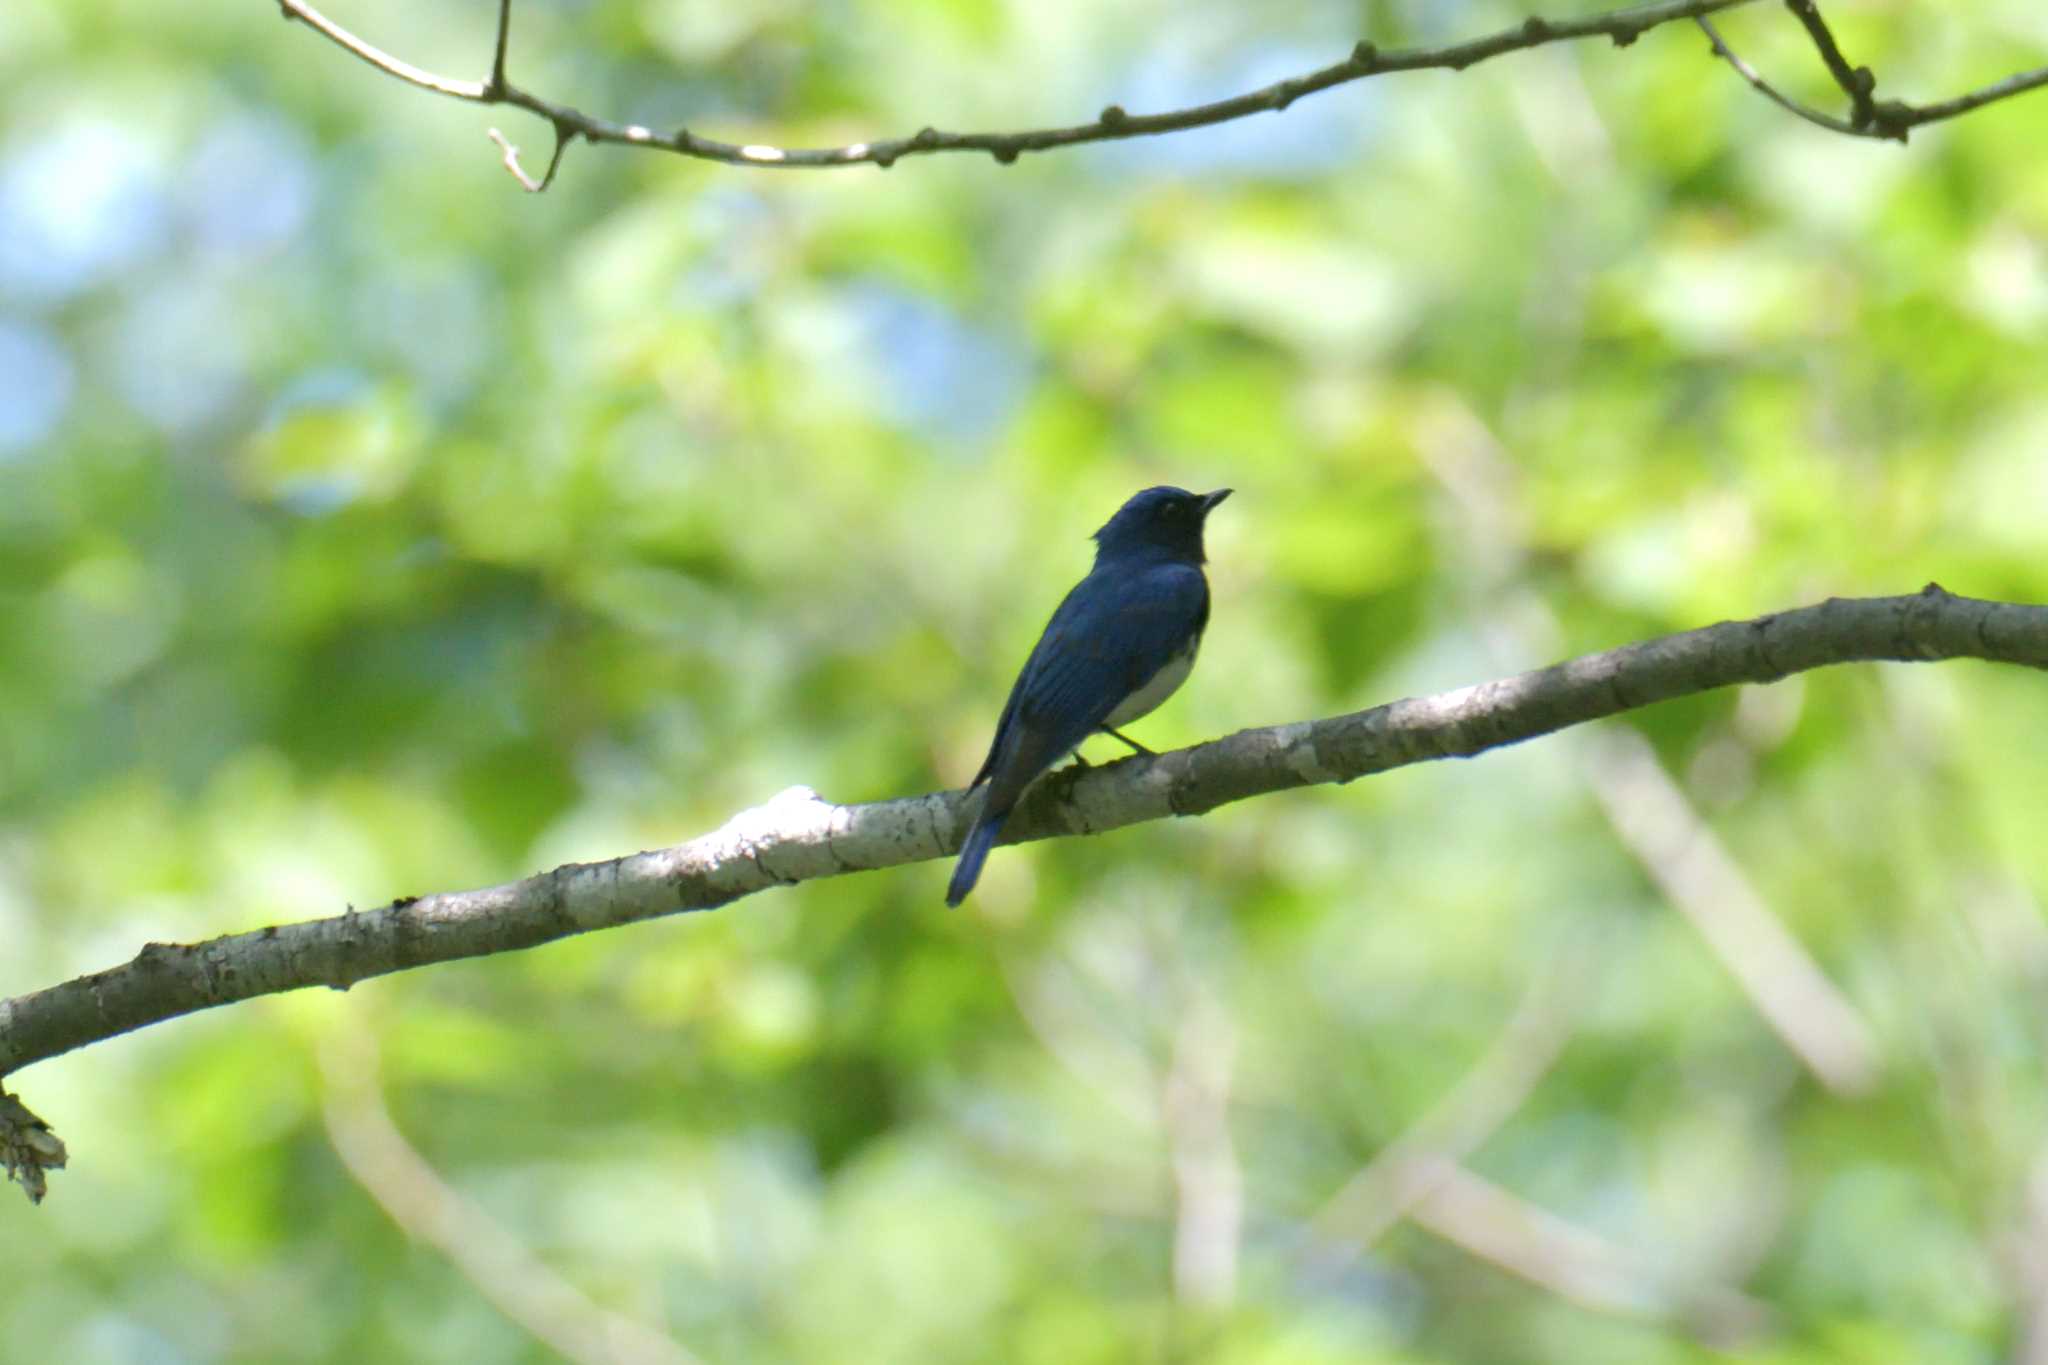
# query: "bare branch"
(1887, 119)
(518, 171)
(1890, 120)
(1576, 1263)
(497, 85)
(1857, 82)
(1622, 27)
(414, 1196)
(1649, 812)
(1771, 92)
(1421, 1176)
(799, 836)
(1696, 874)
(1404, 1172)
(1893, 114)
(384, 61)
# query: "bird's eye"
(1172, 509)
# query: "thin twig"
(497, 85)
(511, 159)
(474, 91)
(1888, 120)
(1648, 812)
(531, 185)
(1895, 114)
(1755, 78)
(1621, 27)
(429, 1210)
(1400, 1176)
(1421, 1177)
(1856, 82)
(1575, 1262)
(1651, 816)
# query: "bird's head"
(1164, 519)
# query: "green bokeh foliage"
(401, 532)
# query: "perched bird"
(1119, 645)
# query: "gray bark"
(800, 836)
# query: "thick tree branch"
(799, 836)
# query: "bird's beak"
(1209, 500)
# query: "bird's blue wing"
(1107, 642)
(1109, 636)
(1112, 633)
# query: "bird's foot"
(1137, 747)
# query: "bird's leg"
(1137, 747)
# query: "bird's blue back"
(1130, 617)
(1140, 610)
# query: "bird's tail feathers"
(973, 854)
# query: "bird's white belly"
(1157, 689)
